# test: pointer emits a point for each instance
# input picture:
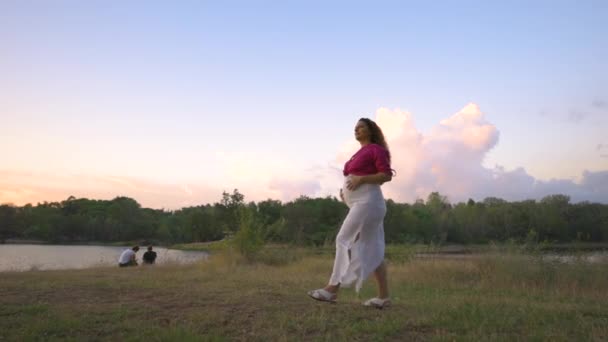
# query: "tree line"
(305, 221)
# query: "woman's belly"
(365, 193)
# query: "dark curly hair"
(377, 137)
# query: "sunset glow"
(171, 104)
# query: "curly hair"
(377, 137)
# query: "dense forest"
(306, 221)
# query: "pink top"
(369, 160)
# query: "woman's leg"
(381, 278)
(332, 288)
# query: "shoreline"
(417, 248)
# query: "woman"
(360, 242)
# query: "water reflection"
(56, 257)
(597, 257)
(592, 258)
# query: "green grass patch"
(495, 296)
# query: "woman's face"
(362, 132)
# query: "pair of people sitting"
(128, 257)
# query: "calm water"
(596, 257)
(56, 257)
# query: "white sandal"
(378, 303)
(323, 295)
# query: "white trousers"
(365, 219)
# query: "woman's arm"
(379, 178)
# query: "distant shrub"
(248, 240)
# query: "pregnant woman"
(360, 242)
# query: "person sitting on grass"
(149, 256)
(128, 258)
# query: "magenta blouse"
(369, 160)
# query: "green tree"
(248, 239)
(229, 208)
(8, 222)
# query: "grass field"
(495, 296)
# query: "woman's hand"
(354, 182)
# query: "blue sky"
(164, 91)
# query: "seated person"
(127, 258)
(149, 256)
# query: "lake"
(595, 257)
(57, 257)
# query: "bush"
(248, 239)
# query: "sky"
(173, 102)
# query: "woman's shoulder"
(376, 147)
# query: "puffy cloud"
(595, 185)
(450, 158)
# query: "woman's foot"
(379, 303)
(323, 295)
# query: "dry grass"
(494, 297)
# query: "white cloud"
(450, 158)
